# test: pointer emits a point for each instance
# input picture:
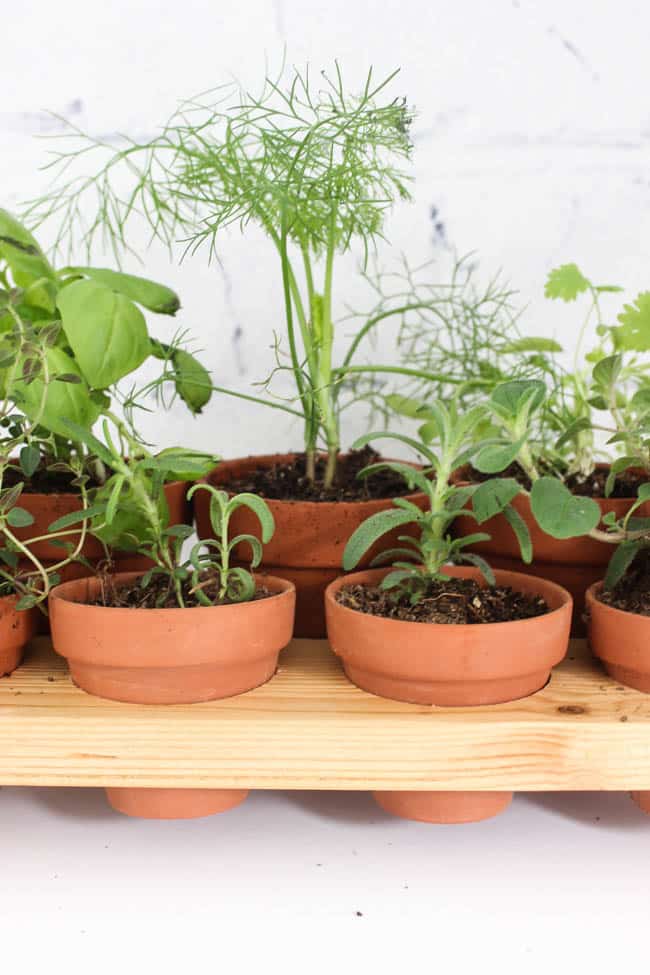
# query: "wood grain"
(309, 728)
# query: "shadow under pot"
(309, 539)
(170, 656)
(621, 640)
(17, 627)
(573, 563)
(450, 665)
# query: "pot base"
(444, 807)
(448, 693)
(171, 685)
(631, 678)
(10, 658)
(174, 803)
(642, 800)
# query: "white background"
(532, 142)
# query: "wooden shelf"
(309, 728)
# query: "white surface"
(532, 140)
(559, 883)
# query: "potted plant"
(430, 630)
(67, 337)
(550, 440)
(317, 170)
(189, 629)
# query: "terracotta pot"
(170, 656)
(642, 800)
(46, 508)
(309, 539)
(17, 627)
(621, 640)
(573, 563)
(451, 666)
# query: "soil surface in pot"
(626, 485)
(451, 601)
(632, 592)
(44, 481)
(159, 594)
(288, 482)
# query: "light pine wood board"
(309, 728)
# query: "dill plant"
(315, 166)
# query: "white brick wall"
(532, 142)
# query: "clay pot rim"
(322, 505)
(591, 598)
(601, 465)
(503, 576)
(283, 589)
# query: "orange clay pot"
(46, 508)
(170, 656)
(642, 800)
(309, 539)
(621, 640)
(17, 627)
(573, 563)
(450, 665)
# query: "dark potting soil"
(288, 482)
(159, 594)
(632, 592)
(593, 486)
(42, 481)
(454, 601)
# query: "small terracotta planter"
(309, 540)
(621, 640)
(450, 666)
(17, 627)
(170, 656)
(573, 563)
(46, 508)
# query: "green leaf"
(621, 561)
(75, 431)
(62, 400)
(256, 548)
(516, 394)
(533, 344)
(26, 602)
(183, 464)
(19, 518)
(75, 517)
(413, 477)
(572, 431)
(192, 380)
(633, 333)
(520, 528)
(241, 585)
(560, 513)
(566, 282)
(606, 372)
(371, 530)
(151, 295)
(481, 565)
(491, 497)
(260, 508)
(397, 577)
(106, 332)
(30, 458)
(27, 262)
(406, 406)
(496, 457)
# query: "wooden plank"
(309, 728)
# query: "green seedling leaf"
(572, 431)
(26, 602)
(106, 332)
(75, 517)
(192, 380)
(633, 334)
(606, 372)
(481, 565)
(79, 433)
(185, 465)
(260, 508)
(392, 554)
(533, 344)
(59, 400)
(256, 547)
(566, 282)
(241, 585)
(373, 528)
(520, 528)
(415, 445)
(412, 476)
(514, 395)
(151, 295)
(560, 513)
(620, 562)
(491, 497)
(30, 268)
(397, 577)
(19, 518)
(30, 458)
(496, 457)
(9, 497)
